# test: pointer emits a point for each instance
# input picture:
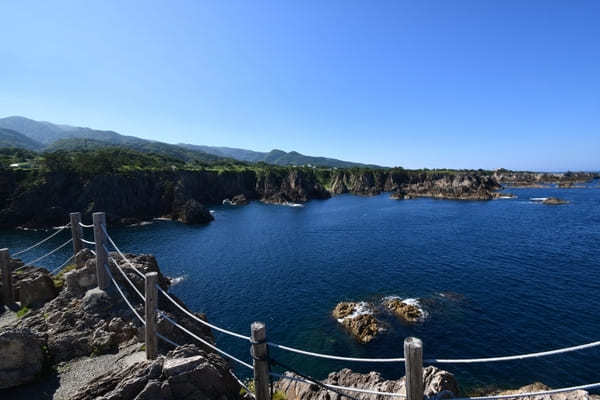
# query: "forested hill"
(52, 137)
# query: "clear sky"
(463, 84)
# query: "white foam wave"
(362, 308)
(538, 198)
(178, 279)
(411, 302)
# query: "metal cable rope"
(331, 357)
(336, 387)
(123, 294)
(530, 394)
(242, 384)
(42, 241)
(65, 263)
(86, 226)
(128, 280)
(515, 357)
(172, 343)
(189, 314)
(45, 255)
(174, 323)
(87, 242)
(120, 253)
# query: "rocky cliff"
(37, 199)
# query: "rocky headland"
(543, 179)
(35, 199)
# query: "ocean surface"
(496, 278)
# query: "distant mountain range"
(26, 133)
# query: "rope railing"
(112, 278)
(206, 343)
(191, 315)
(86, 226)
(62, 265)
(128, 280)
(88, 242)
(120, 252)
(515, 357)
(41, 241)
(30, 263)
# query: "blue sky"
(463, 84)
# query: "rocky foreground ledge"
(78, 342)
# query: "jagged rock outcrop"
(21, 357)
(294, 186)
(542, 179)
(436, 383)
(554, 201)
(408, 312)
(453, 187)
(84, 320)
(193, 212)
(185, 373)
(32, 286)
(358, 319)
(540, 387)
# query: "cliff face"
(34, 199)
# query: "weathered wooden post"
(413, 355)
(260, 355)
(150, 311)
(101, 255)
(76, 235)
(7, 288)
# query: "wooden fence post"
(150, 311)
(413, 355)
(101, 255)
(260, 355)
(7, 288)
(76, 235)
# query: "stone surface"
(358, 319)
(185, 373)
(21, 357)
(437, 382)
(407, 312)
(36, 290)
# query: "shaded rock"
(36, 290)
(185, 373)
(408, 312)
(554, 201)
(193, 212)
(96, 301)
(436, 382)
(22, 357)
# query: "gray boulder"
(36, 289)
(184, 373)
(22, 357)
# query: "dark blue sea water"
(517, 277)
